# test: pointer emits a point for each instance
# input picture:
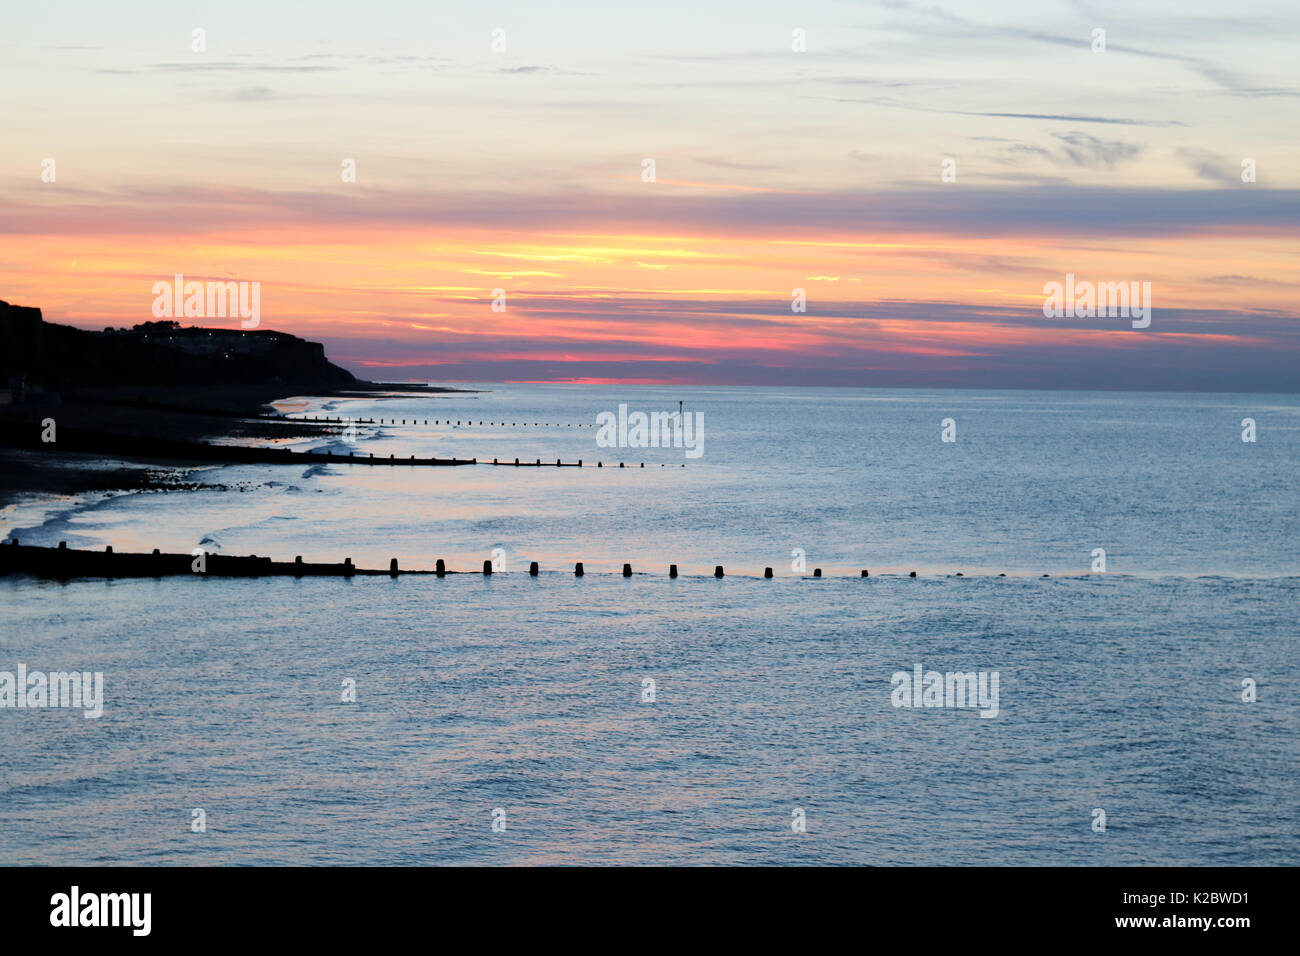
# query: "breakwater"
(64, 563)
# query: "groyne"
(64, 563)
(137, 446)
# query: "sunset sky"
(775, 170)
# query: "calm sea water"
(1119, 691)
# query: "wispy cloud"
(1084, 150)
(969, 211)
(1072, 118)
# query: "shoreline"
(134, 438)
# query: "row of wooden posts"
(560, 464)
(64, 563)
(534, 570)
(82, 440)
(417, 421)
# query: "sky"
(128, 156)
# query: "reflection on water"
(1120, 691)
(474, 694)
(857, 478)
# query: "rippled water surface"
(1119, 691)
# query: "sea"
(1117, 572)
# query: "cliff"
(41, 353)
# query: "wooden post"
(717, 572)
(911, 574)
(347, 567)
(577, 570)
(487, 567)
(297, 566)
(627, 570)
(532, 569)
(672, 570)
(817, 572)
(767, 572)
(440, 568)
(866, 573)
(392, 567)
